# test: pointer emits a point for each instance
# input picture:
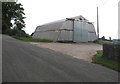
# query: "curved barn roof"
(60, 24)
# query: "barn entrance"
(80, 32)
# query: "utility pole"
(97, 23)
(119, 20)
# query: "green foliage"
(32, 34)
(11, 11)
(19, 33)
(29, 39)
(99, 59)
(103, 38)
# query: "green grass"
(102, 41)
(99, 59)
(29, 39)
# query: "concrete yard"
(83, 51)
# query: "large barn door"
(80, 32)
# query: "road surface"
(23, 62)
(0, 58)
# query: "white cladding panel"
(63, 35)
(50, 35)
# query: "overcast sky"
(39, 12)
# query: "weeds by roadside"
(99, 59)
(102, 42)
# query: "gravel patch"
(83, 51)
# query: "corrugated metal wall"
(80, 31)
(48, 31)
(91, 33)
(65, 36)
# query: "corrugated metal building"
(76, 29)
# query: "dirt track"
(83, 51)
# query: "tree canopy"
(12, 18)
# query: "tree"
(11, 11)
(103, 38)
(32, 34)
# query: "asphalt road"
(0, 58)
(23, 62)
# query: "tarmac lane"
(24, 62)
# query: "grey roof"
(60, 24)
(51, 26)
(58, 21)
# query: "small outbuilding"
(75, 29)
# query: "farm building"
(75, 29)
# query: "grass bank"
(99, 59)
(29, 39)
(102, 42)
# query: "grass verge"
(99, 59)
(28, 39)
(102, 42)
